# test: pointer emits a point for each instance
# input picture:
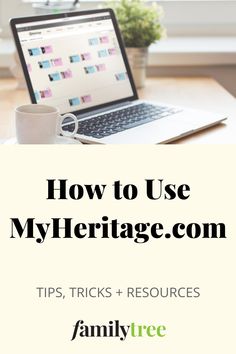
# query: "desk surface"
(199, 93)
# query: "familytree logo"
(117, 330)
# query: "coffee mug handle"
(75, 119)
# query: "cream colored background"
(204, 325)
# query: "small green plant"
(140, 24)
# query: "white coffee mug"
(40, 124)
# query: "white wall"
(181, 17)
(12, 8)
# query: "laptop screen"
(74, 63)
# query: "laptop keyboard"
(118, 121)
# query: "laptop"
(77, 62)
